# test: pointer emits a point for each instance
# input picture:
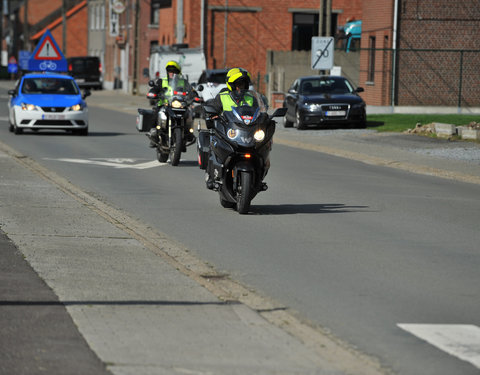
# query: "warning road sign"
(47, 56)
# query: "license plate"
(53, 117)
(80, 80)
(335, 113)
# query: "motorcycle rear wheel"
(177, 147)
(244, 195)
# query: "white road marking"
(114, 162)
(3, 118)
(459, 340)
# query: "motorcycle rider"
(236, 94)
(172, 68)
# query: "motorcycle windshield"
(179, 86)
(250, 108)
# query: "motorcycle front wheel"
(177, 147)
(244, 192)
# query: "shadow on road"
(289, 209)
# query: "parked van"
(87, 71)
(192, 61)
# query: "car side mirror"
(292, 91)
(360, 89)
(86, 93)
(11, 92)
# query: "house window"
(305, 26)
(371, 59)
(154, 12)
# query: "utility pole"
(321, 12)
(180, 32)
(64, 27)
(26, 36)
(136, 47)
(225, 35)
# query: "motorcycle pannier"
(203, 148)
(145, 119)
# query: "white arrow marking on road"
(459, 340)
(115, 163)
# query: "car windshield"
(49, 85)
(325, 86)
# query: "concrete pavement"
(127, 300)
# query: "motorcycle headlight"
(232, 133)
(259, 135)
(177, 104)
(29, 107)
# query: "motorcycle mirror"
(151, 83)
(200, 88)
(279, 112)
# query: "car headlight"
(29, 107)
(177, 104)
(75, 108)
(259, 135)
(314, 107)
(232, 133)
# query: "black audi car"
(324, 101)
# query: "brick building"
(34, 17)
(242, 34)
(423, 52)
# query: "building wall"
(253, 28)
(441, 77)
(437, 53)
(377, 23)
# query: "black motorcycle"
(169, 126)
(234, 151)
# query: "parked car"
(210, 83)
(324, 101)
(47, 101)
(87, 71)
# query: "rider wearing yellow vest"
(172, 68)
(238, 82)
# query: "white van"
(192, 61)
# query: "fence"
(425, 77)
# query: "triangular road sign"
(47, 56)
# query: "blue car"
(47, 101)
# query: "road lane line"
(115, 163)
(459, 340)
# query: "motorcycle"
(234, 151)
(169, 126)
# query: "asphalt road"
(356, 248)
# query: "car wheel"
(299, 123)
